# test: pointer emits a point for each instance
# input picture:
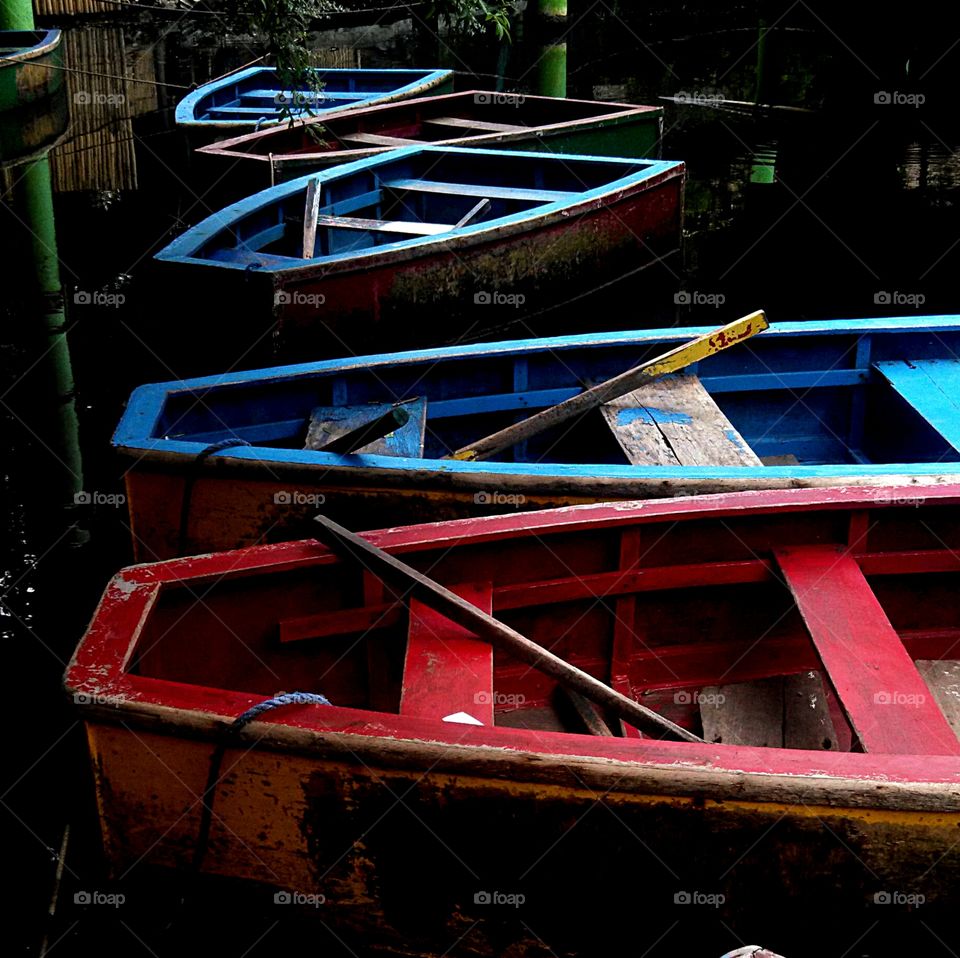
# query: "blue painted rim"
(185, 113)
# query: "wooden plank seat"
(377, 139)
(447, 671)
(881, 691)
(486, 126)
(675, 421)
(479, 190)
(932, 387)
(406, 442)
(264, 94)
(788, 711)
(407, 227)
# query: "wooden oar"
(472, 214)
(407, 580)
(669, 362)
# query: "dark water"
(848, 210)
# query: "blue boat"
(254, 98)
(225, 461)
(456, 239)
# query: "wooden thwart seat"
(406, 442)
(781, 712)
(448, 672)
(378, 139)
(675, 421)
(481, 191)
(486, 126)
(932, 387)
(408, 227)
(884, 696)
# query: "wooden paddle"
(670, 362)
(407, 580)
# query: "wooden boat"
(31, 66)
(807, 636)
(253, 98)
(842, 402)
(455, 238)
(475, 118)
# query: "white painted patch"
(462, 718)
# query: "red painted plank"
(448, 673)
(883, 695)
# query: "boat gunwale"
(223, 147)
(539, 217)
(185, 111)
(107, 693)
(49, 42)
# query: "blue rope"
(216, 760)
(192, 475)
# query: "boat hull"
(465, 285)
(412, 832)
(256, 161)
(34, 74)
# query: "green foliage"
(475, 16)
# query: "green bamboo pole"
(16, 15)
(33, 198)
(552, 65)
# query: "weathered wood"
(378, 139)
(671, 361)
(408, 580)
(480, 190)
(780, 712)
(943, 679)
(332, 423)
(586, 712)
(355, 432)
(747, 713)
(882, 694)
(676, 421)
(461, 123)
(407, 227)
(448, 671)
(806, 713)
(472, 214)
(788, 459)
(311, 208)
